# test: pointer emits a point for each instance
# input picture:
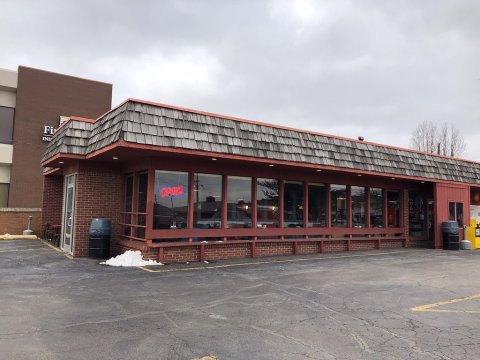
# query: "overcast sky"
(350, 68)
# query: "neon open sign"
(171, 191)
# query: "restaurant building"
(186, 185)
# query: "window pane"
(6, 124)
(267, 203)
(416, 215)
(317, 206)
(376, 207)
(239, 202)
(128, 203)
(451, 211)
(128, 193)
(339, 215)
(142, 192)
(293, 204)
(207, 197)
(460, 214)
(171, 200)
(393, 208)
(358, 206)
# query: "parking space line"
(265, 262)
(431, 307)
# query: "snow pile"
(129, 258)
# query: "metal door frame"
(68, 185)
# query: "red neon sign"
(171, 191)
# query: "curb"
(18, 237)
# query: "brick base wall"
(52, 200)
(14, 220)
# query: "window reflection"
(239, 202)
(393, 208)
(293, 204)
(317, 205)
(376, 207)
(171, 200)
(358, 206)
(339, 215)
(207, 197)
(267, 203)
(416, 216)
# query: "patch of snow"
(206, 262)
(129, 258)
(7, 234)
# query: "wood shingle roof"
(150, 124)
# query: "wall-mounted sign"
(171, 191)
(49, 130)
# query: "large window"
(171, 200)
(317, 205)
(376, 207)
(128, 218)
(142, 188)
(293, 204)
(358, 206)
(339, 214)
(6, 124)
(207, 197)
(456, 212)
(239, 202)
(267, 203)
(416, 214)
(393, 208)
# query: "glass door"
(69, 214)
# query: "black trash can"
(450, 235)
(100, 231)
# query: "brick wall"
(97, 196)
(52, 200)
(227, 251)
(181, 254)
(14, 220)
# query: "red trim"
(125, 144)
(62, 156)
(78, 118)
(52, 171)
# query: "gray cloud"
(371, 68)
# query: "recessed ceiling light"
(422, 182)
(114, 158)
(359, 174)
(271, 165)
(393, 178)
(214, 159)
(318, 170)
(61, 162)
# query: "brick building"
(32, 104)
(185, 185)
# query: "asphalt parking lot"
(397, 304)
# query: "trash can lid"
(449, 224)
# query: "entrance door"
(69, 214)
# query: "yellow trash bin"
(473, 234)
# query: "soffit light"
(271, 165)
(214, 159)
(114, 158)
(61, 162)
(318, 170)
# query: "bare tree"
(446, 140)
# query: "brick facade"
(103, 190)
(14, 220)
(52, 200)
